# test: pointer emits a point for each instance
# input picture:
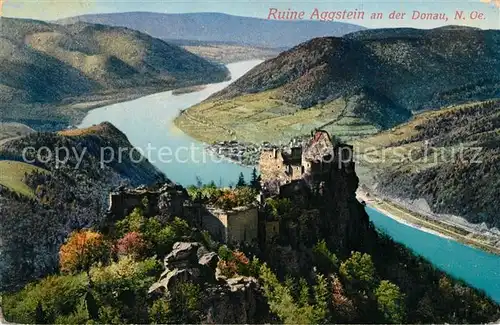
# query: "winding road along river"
(147, 122)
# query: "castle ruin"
(285, 173)
(236, 225)
(312, 163)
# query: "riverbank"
(423, 223)
(243, 153)
(187, 90)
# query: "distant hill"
(227, 53)
(44, 63)
(44, 202)
(11, 130)
(352, 86)
(218, 27)
(450, 158)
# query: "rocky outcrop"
(225, 300)
(237, 301)
(209, 260)
(188, 262)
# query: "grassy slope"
(263, 117)
(11, 130)
(12, 176)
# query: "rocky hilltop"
(45, 63)
(235, 300)
(42, 201)
(354, 85)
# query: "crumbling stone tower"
(313, 163)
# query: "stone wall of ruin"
(274, 172)
(272, 230)
(123, 203)
(271, 166)
(243, 226)
(215, 222)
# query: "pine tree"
(255, 182)
(40, 314)
(199, 182)
(241, 181)
(92, 307)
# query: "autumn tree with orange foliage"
(227, 200)
(83, 249)
(237, 263)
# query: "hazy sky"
(54, 9)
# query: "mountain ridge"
(356, 85)
(212, 26)
(48, 67)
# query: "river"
(474, 266)
(147, 122)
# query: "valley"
(226, 52)
(433, 157)
(429, 222)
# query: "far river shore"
(412, 219)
